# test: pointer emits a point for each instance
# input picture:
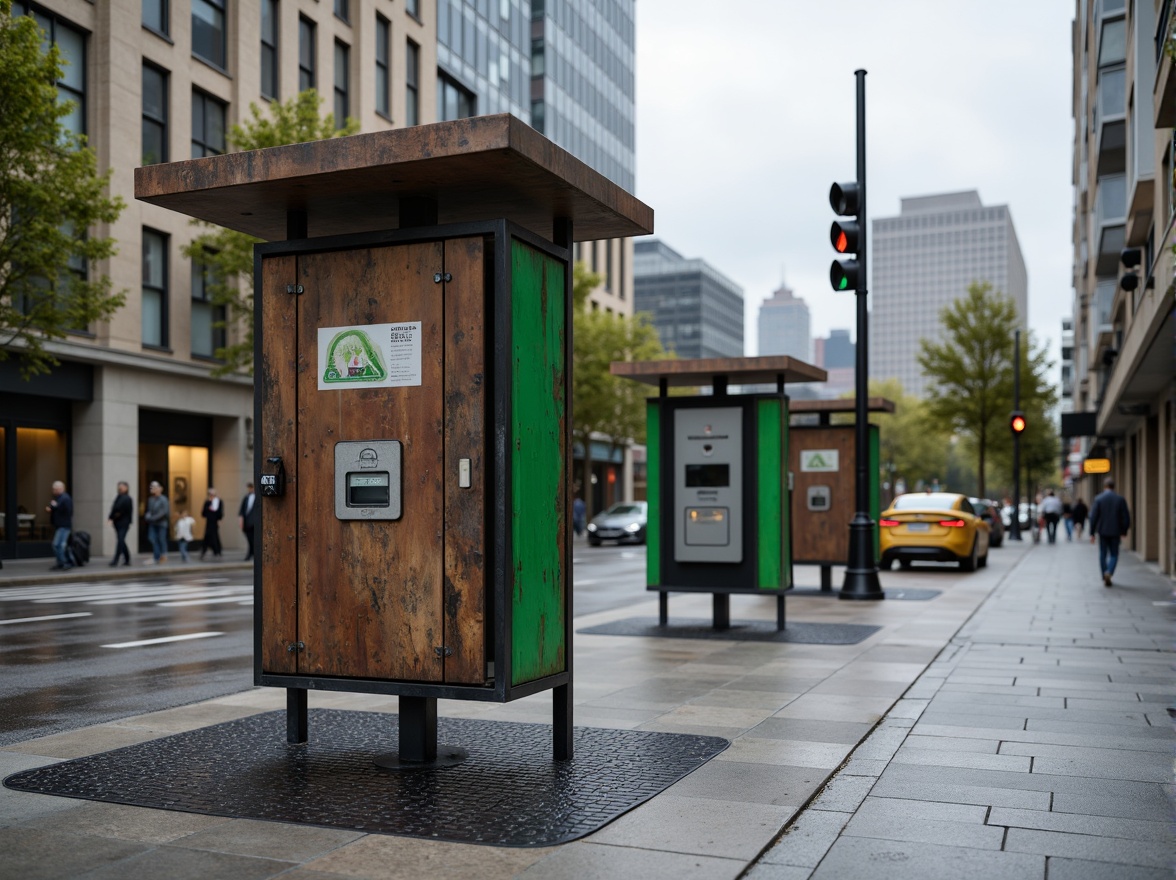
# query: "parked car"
(624, 521)
(1026, 520)
(933, 527)
(989, 511)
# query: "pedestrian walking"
(122, 511)
(579, 515)
(156, 516)
(213, 512)
(245, 517)
(184, 533)
(1051, 512)
(1079, 514)
(60, 511)
(1109, 521)
(1068, 519)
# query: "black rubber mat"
(508, 793)
(901, 593)
(739, 631)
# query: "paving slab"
(1095, 849)
(863, 858)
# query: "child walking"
(184, 532)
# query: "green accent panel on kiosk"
(875, 493)
(653, 493)
(786, 506)
(539, 515)
(769, 506)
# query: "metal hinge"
(295, 647)
(443, 651)
(295, 289)
(442, 276)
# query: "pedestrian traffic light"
(1017, 423)
(845, 235)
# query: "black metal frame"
(499, 234)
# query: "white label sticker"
(369, 356)
(819, 460)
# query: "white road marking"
(46, 617)
(209, 601)
(184, 638)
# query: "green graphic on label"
(816, 460)
(351, 357)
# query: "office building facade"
(697, 311)
(925, 259)
(784, 326)
(1123, 383)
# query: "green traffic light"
(844, 283)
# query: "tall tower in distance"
(785, 326)
(925, 259)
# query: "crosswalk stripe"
(46, 617)
(183, 638)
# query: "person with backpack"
(60, 511)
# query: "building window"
(154, 304)
(305, 54)
(208, 320)
(208, 125)
(413, 8)
(208, 31)
(155, 15)
(71, 43)
(453, 101)
(342, 102)
(269, 48)
(154, 115)
(412, 61)
(383, 69)
(343, 10)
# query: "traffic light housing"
(845, 235)
(1130, 258)
(1017, 423)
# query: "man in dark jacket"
(61, 518)
(121, 512)
(1109, 520)
(246, 519)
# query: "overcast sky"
(745, 116)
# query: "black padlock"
(273, 481)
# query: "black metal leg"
(418, 729)
(663, 608)
(827, 578)
(297, 724)
(780, 614)
(722, 612)
(561, 718)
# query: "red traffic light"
(1017, 423)
(843, 235)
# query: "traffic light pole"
(1015, 528)
(861, 571)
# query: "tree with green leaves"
(972, 372)
(227, 256)
(51, 199)
(604, 405)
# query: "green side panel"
(653, 533)
(786, 506)
(769, 494)
(539, 509)
(875, 489)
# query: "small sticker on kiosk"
(369, 356)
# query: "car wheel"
(904, 564)
(971, 561)
(983, 561)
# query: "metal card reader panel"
(368, 479)
(708, 484)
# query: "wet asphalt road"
(79, 654)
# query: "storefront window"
(40, 459)
(183, 473)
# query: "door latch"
(442, 276)
(443, 651)
(295, 647)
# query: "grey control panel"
(819, 497)
(708, 484)
(367, 479)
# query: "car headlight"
(592, 527)
(633, 527)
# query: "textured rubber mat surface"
(740, 631)
(508, 793)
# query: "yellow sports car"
(933, 526)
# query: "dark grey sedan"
(624, 521)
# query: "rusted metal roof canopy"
(840, 405)
(736, 371)
(482, 168)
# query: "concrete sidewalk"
(858, 752)
(24, 572)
